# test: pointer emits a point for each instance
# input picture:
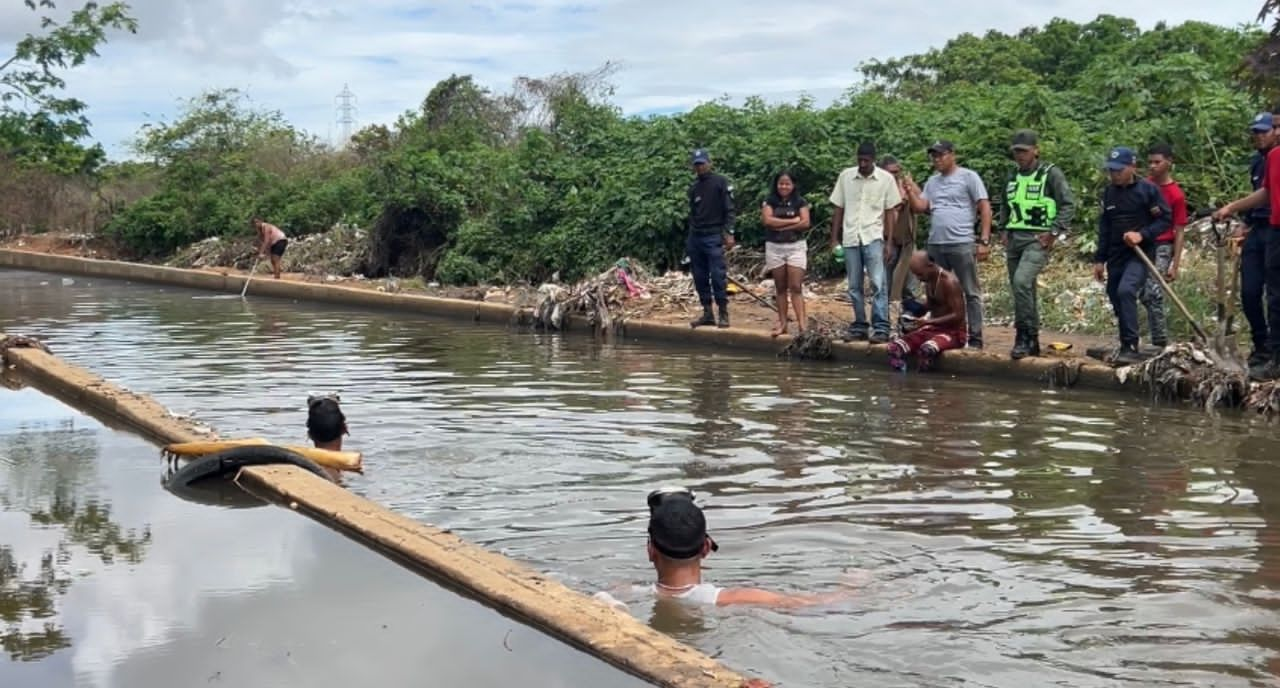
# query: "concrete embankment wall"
(491, 578)
(1042, 371)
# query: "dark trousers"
(1273, 288)
(1253, 281)
(1125, 278)
(706, 262)
(962, 261)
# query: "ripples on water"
(1015, 536)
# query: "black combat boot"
(1033, 343)
(1127, 355)
(1268, 371)
(707, 318)
(724, 316)
(1020, 349)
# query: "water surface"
(107, 580)
(1014, 536)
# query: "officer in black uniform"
(1253, 259)
(711, 218)
(1134, 213)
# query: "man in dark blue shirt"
(1134, 213)
(711, 218)
(1253, 258)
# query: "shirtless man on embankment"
(272, 240)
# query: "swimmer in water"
(325, 426)
(678, 542)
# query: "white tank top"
(702, 593)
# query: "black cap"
(867, 150)
(942, 146)
(677, 528)
(1025, 138)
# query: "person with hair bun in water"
(326, 425)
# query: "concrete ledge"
(1065, 372)
(491, 578)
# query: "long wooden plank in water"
(495, 580)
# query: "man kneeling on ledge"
(943, 328)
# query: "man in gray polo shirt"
(952, 197)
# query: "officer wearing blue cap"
(711, 218)
(1253, 258)
(1134, 213)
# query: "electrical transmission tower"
(346, 108)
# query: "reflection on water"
(1015, 536)
(106, 580)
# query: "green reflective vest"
(1031, 209)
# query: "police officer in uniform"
(711, 219)
(1036, 213)
(1134, 213)
(1253, 258)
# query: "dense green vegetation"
(475, 186)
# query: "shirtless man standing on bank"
(272, 240)
(943, 328)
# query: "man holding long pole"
(1134, 213)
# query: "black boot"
(1033, 343)
(1266, 372)
(1127, 355)
(1020, 348)
(706, 319)
(724, 316)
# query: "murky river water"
(1013, 536)
(108, 581)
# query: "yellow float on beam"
(337, 460)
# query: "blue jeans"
(868, 258)
(1253, 276)
(1125, 278)
(706, 262)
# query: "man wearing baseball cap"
(952, 197)
(711, 219)
(1253, 256)
(678, 542)
(1134, 213)
(1036, 213)
(1266, 196)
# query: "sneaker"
(880, 338)
(1160, 344)
(975, 344)
(706, 319)
(852, 335)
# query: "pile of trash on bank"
(340, 251)
(1190, 372)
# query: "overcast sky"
(295, 56)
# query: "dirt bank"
(671, 300)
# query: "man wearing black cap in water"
(678, 542)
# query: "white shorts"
(794, 254)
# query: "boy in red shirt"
(1168, 245)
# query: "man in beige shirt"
(865, 198)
